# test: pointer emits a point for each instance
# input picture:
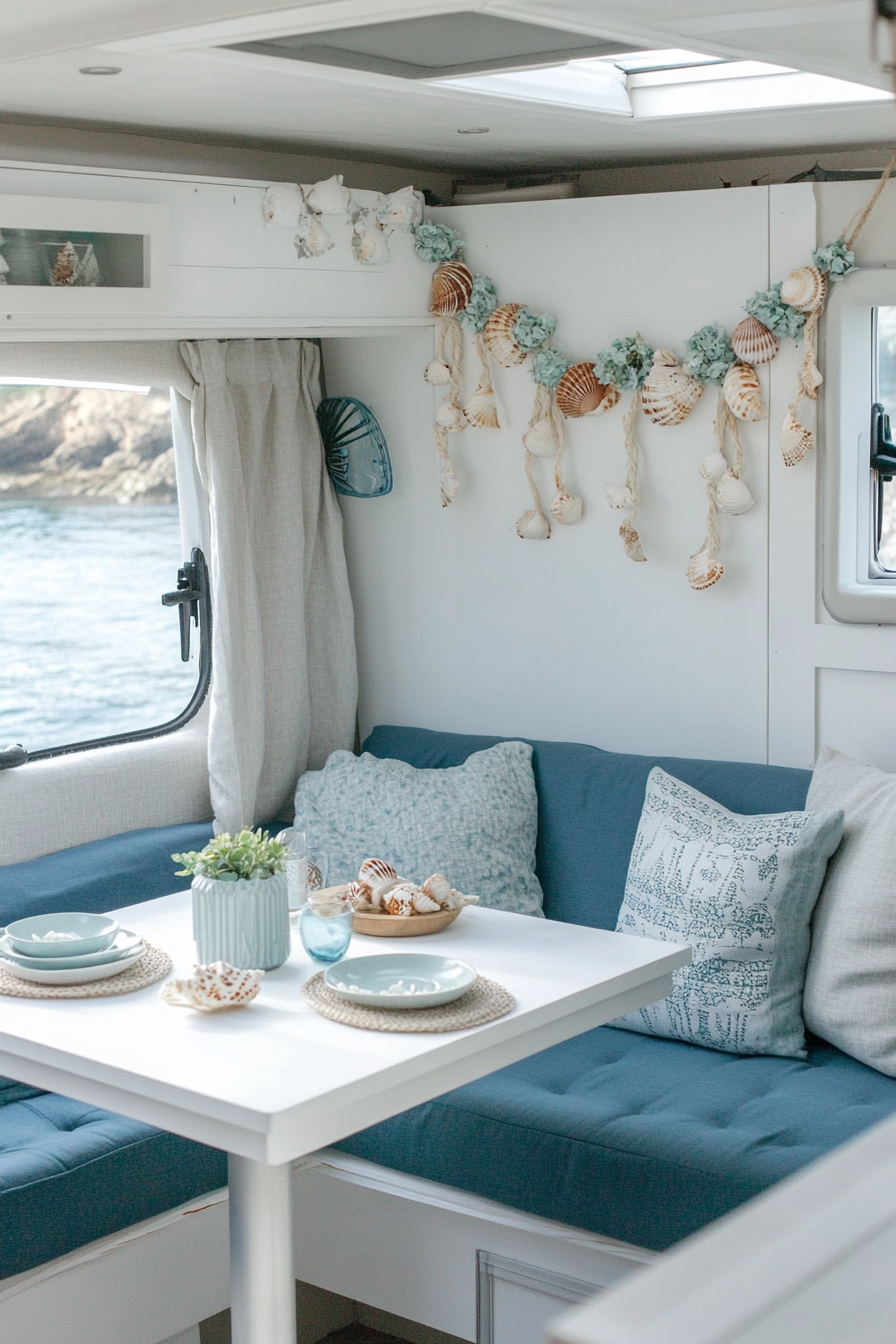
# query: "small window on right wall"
(883, 483)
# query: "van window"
(883, 486)
(90, 539)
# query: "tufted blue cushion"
(70, 1173)
(634, 1137)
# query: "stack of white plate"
(68, 949)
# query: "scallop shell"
(329, 197)
(742, 391)
(713, 467)
(437, 887)
(377, 873)
(704, 570)
(361, 896)
(566, 508)
(752, 341)
(733, 494)
(481, 410)
(669, 393)
(631, 543)
(618, 496)
(804, 289)
(437, 373)
(399, 900)
(796, 440)
(425, 904)
(219, 985)
(498, 335)
(541, 439)
(369, 244)
(449, 415)
(452, 285)
(312, 239)
(281, 206)
(533, 526)
(579, 392)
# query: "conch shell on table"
(498, 336)
(804, 289)
(329, 197)
(218, 985)
(579, 392)
(440, 890)
(753, 342)
(743, 393)
(669, 393)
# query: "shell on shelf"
(566, 508)
(401, 209)
(733, 494)
(631, 544)
(579, 392)
(796, 440)
(452, 285)
(541, 439)
(619, 496)
(753, 343)
(218, 985)
(311, 239)
(704, 570)
(281, 205)
(329, 197)
(369, 244)
(669, 393)
(743, 392)
(714, 466)
(533, 525)
(498, 335)
(449, 415)
(437, 373)
(804, 289)
(481, 410)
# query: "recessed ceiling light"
(100, 70)
(473, 130)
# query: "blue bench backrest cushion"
(589, 804)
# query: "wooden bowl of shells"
(385, 905)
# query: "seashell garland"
(704, 570)
(481, 411)
(311, 239)
(796, 439)
(753, 343)
(437, 373)
(329, 197)
(541, 439)
(498, 336)
(733, 495)
(533, 526)
(449, 415)
(804, 289)
(218, 985)
(566, 508)
(452, 285)
(669, 393)
(369, 244)
(743, 393)
(631, 543)
(580, 393)
(402, 209)
(714, 466)
(619, 496)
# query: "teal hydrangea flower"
(549, 366)
(436, 242)
(625, 363)
(835, 259)
(530, 330)
(483, 300)
(709, 354)
(767, 307)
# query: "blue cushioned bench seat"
(634, 1137)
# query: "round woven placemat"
(151, 967)
(483, 1002)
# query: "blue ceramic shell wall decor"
(355, 447)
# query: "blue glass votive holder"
(325, 938)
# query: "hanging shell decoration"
(437, 373)
(329, 197)
(498, 336)
(753, 343)
(805, 289)
(533, 525)
(631, 543)
(449, 415)
(743, 392)
(312, 238)
(796, 439)
(369, 244)
(579, 392)
(452, 285)
(566, 508)
(733, 495)
(714, 466)
(619, 496)
(541, 438)
(670, 393)
(481, 411)
(212, 987)
(704, 570)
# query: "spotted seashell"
(498, 335)
(566, 508)
(631, 543)
(580, 393)
(481, 410)
(713, 467)
(452, 285)
(796, 440)
(218, 985)
(329, 197)
(733, 494)
(361, 896)
(753, 343)
(399, 900)
(312, 239)
(704, 570)
(669, 393)
(541, 439)
(618, 496)
(377, 873)
(743, 393)
(533, 526)
(804, 289)
(437, 373)
(424, 904)
(449, 415)
(437, 887)
(65, 266)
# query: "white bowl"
(90, 933)
(400, 980)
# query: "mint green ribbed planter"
(245, 923)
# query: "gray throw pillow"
(476, 823)
(850, 995)
(740, 890)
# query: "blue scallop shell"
(355, 447)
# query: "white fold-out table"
(274, 1081)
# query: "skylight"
(667, 83)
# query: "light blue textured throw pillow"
(741, 891)
(476, 823)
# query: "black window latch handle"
(883, 449)
(186, 598)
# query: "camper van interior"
(447, 670)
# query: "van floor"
(361, 1334)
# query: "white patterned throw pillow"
(740, 890)
(477, 823)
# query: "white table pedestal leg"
(262, 1278)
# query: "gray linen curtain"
(284, 680)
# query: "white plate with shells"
(400, 980)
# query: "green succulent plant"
(228, 858)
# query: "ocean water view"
(86, 647)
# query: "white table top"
(275, 1080)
